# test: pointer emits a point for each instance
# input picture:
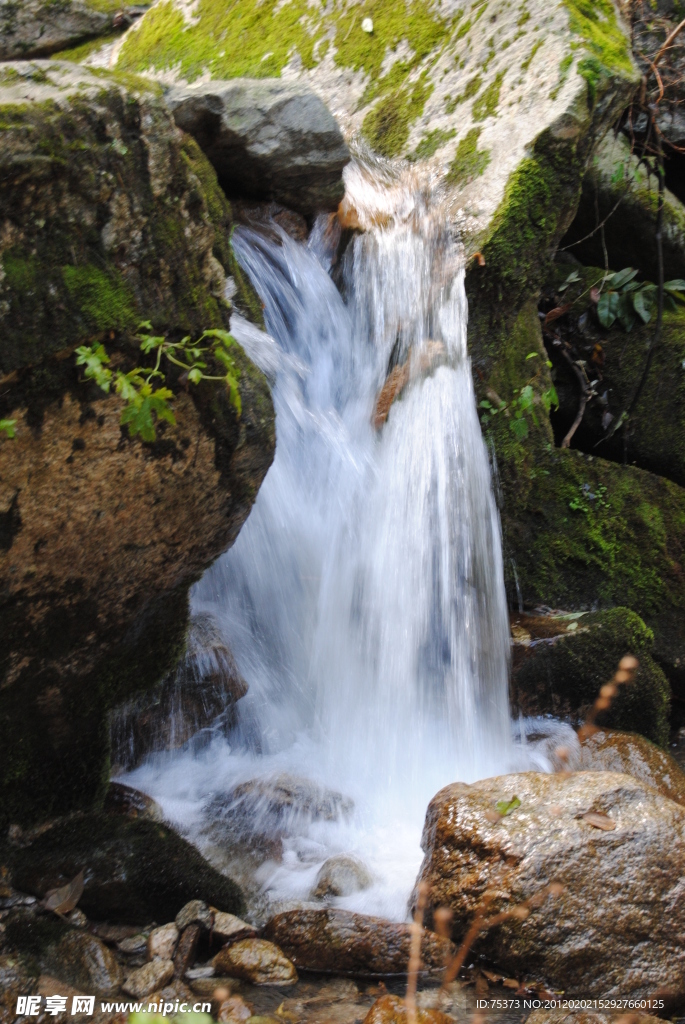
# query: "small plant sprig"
(522, 405)
(626, 299)
(147, 404)
(7, 427)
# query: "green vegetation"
(387, 125)
(469, 162)
(487, 103)
(472, 87)
(103, 299)
(596, 22)
(522, 405)
(144, 403)
(431, 142)
(83, 50)
(529, 59)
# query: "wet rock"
(429, 356)
(185, 951)
(229, 927)
(15, 981)
(341, 942)
(202, 691)
(393, 1010)
(133, 945)
(612, 751)
(161, 943)
(144, 980)
(261, 812)
(257, 961)
(136, 870)
(122, 799)
(86, 962)
(77, 918)
(194, 912)
(267, 139)
(233, 1010)
(95, 614)
(607, 838)
(341, 875)
(562, 676)
(34, 28)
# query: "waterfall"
(364, 597)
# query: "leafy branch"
(522, 405)
(145, 403)
(626, 299)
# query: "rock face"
(563, 677)
(611, 751)
(607, 838)
(110, 216)
(266, 139)
(37, 28)
(341, 942)
(202, 691)
(15, 981)
(136, 871)
(257, 961)
(86, 962)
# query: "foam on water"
(364, 598)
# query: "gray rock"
(267, 139)
(34, 28)
(146, 979)
(342, 875)
(615, 845)
(194, 912)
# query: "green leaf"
(533, 355)
(484, 404)
(195, 375)
(234, 396)
(148, 343)
(505, 807)
(526, 398)
(676, 285)
(7, 427)
(550, 398)
(94, 359)
(621, 278)
(626, 313)
(572, 278)
(519, 427)
(643, 304)
(605, 314)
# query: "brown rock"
(628, 752)
(341, 875)
(617, 927)
(393, 1010)
(430, 355)
(161, 943)
(341, 942)
(146, 979)
(233, 1010)
(257, 961)
(185, 952)
(87, 963)
(14, 982)
(229, 927)
(121, 799)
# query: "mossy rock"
(563, 678)
(136, 871)
(113, 218)
(618, 190)
(39, 28)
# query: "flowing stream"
(364, 597)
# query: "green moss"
(431, 142)
(104, 300)
(83, 50)
(529, 59)
(564, 68)
(387, 125)
(257, 39)
(469, 162)
(487, 103)
(597, 23)
(564, 678)
(470, 90)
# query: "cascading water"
(364, 598)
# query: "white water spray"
(364, 597)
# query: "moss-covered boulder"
(618, 192)
(110, 216)
(136, 871)
(563, 677)
(38, 28)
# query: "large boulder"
(563, 676)
(136, 871)
(609, 750)
(342, 942)
(110, 216)
(616, 846)
(38, 28)
(266, 139)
